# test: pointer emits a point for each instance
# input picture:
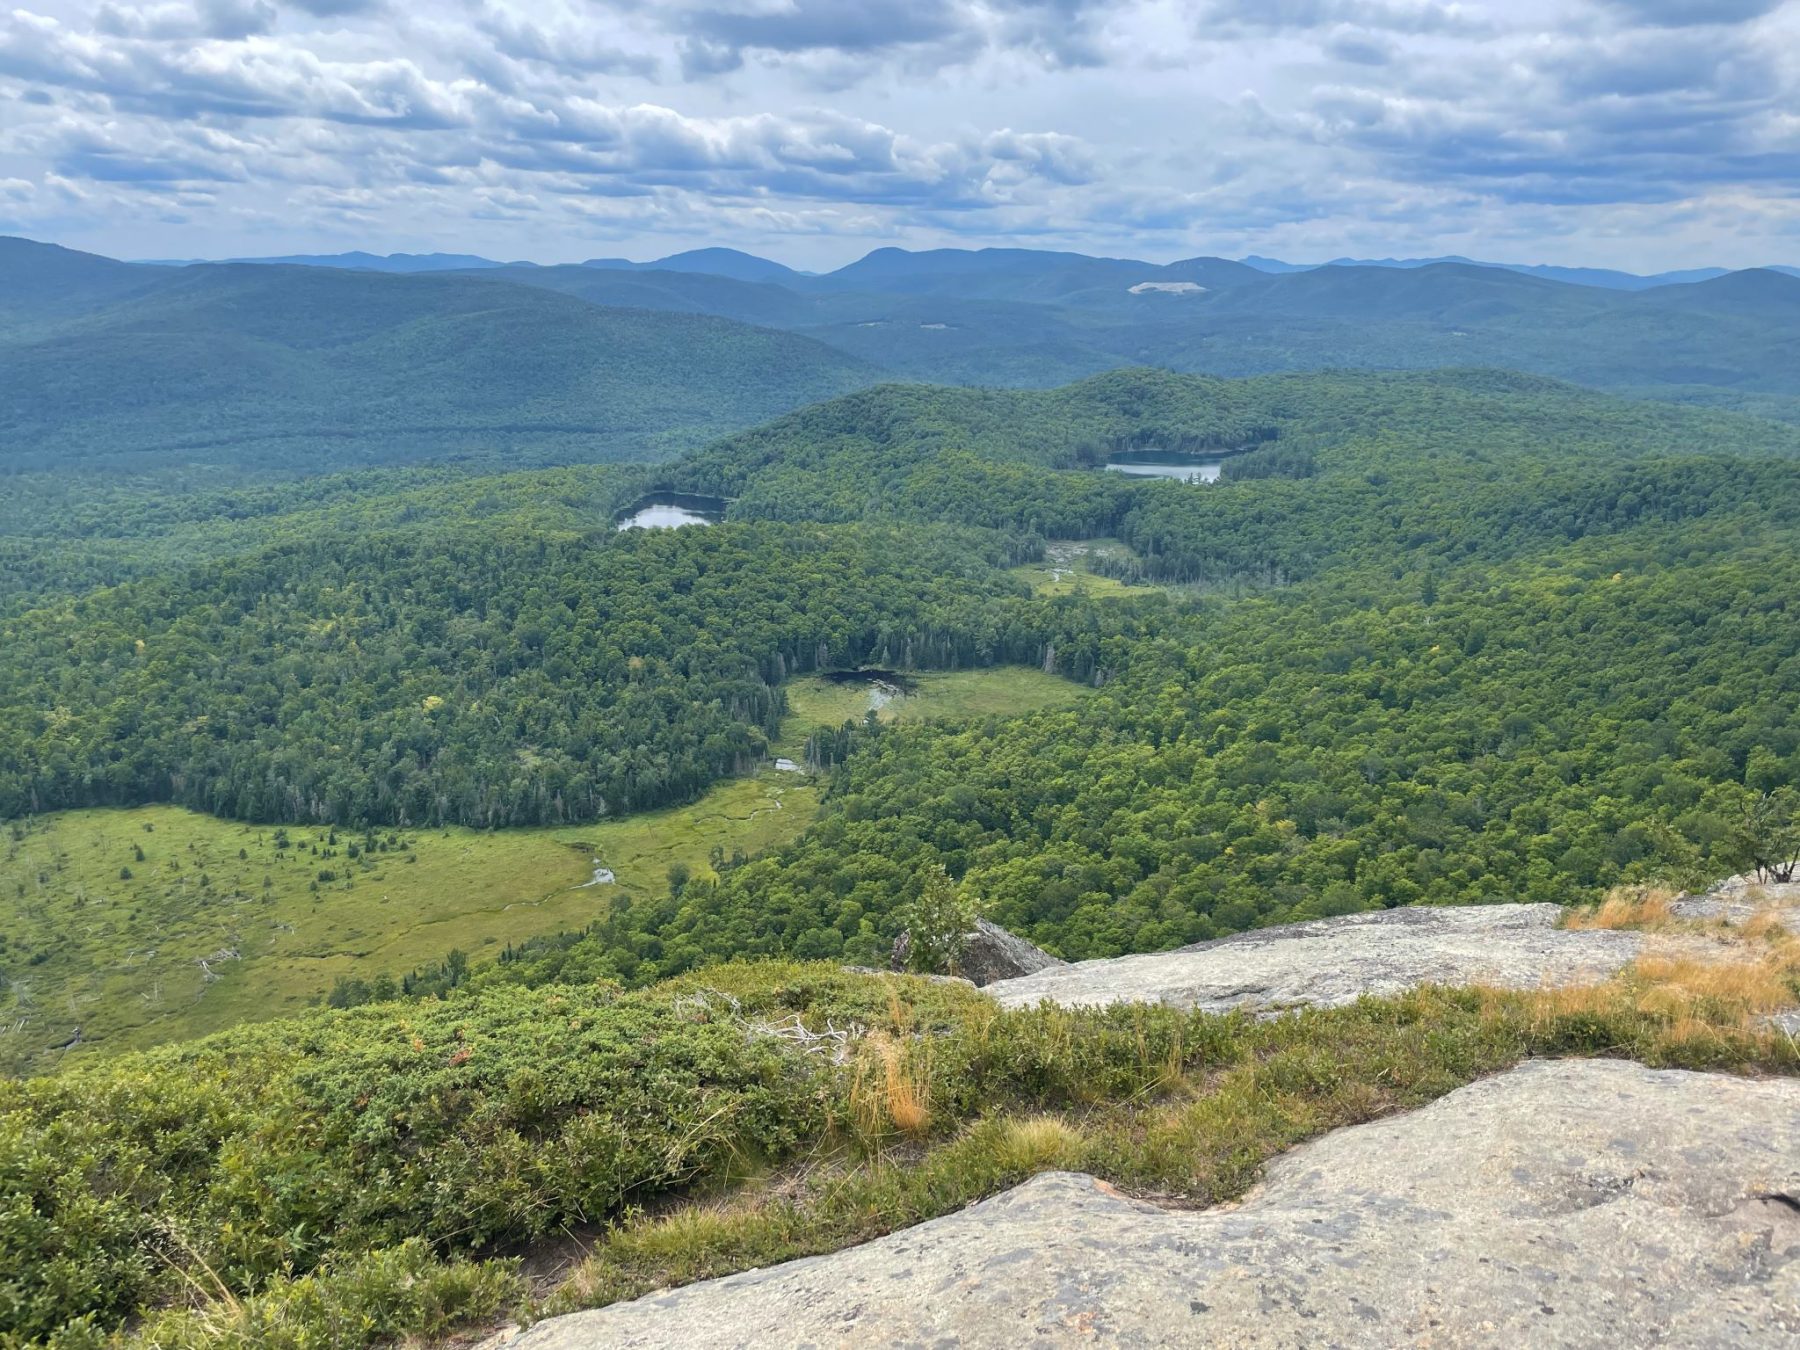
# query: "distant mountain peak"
(716, 261)
(356, 261)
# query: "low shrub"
(267, 1185)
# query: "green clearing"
(219, 923)
(1001, 691)
(1067, 569)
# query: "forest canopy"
(1449, 637)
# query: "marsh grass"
(124, 954)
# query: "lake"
(1164, 464)
(672, 510)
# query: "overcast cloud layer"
(1639, 133)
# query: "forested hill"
(490, 652)
(1021, 317)
(971, 456)
(289, 369)
(893, 426)
(264, 369)
(484, 676)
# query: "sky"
(1644, 134)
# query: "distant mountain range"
(306, 366)
(302, 369)
(357, 262)
(954, 263)
(1604, 277)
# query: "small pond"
(884, 685)
(671, 510)
(1165, 464)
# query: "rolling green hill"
(43, 284)
(1027, 318)
(756, 302)
(894, 450)
(285, 370)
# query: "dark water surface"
(672, 510)
(1165, 464)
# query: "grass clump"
(380, 1296)
(1038, 1144)
(1626, 907)
(891, 1090)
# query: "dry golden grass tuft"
(891, 1089)
(1752, 970)
(1678, 999)
(1765, 925)
(1628, 907)
(1720, 992)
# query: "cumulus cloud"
(1688, 13)
(1397, 16)
(1167, 127)
(208, 18)
(564, 43)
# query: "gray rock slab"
(1787, 1023)
(1335, 961)
(1565, 1203)
(990, 954)
(1740, 898)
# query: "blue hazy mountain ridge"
(887, 262)
(44, 283)
(1606, 277)
(309, 369)
(317, 368)
(1026, 317)
(685, 292)
(720, 262)
(357, 261)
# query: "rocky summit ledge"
(1566, 1203)
(1739, 899)
(1334, 961)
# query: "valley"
(490, 817)
(809, 673)
(131, 927)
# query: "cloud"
(1062, 159)
(1645, 115)
(566, 45)
(1360, 47)
(331, 9)
(1393, 16)
(209, 19)
(924, 34)
(1165, 127)
(1691, 13)
(256, 77)
(811, 25)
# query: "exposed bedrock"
(1333, 961)
(1565, 1203)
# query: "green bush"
(266, 1152)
